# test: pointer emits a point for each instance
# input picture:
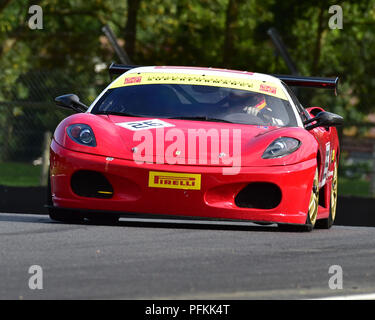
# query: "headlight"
(82, 134)
(281, 147)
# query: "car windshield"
(196, 102)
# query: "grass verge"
(16, 174)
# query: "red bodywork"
(114, 158)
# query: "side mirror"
(324, 119)
(71, 101)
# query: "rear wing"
(293, 81)
(115, 69)
(310, 82)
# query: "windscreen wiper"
(200, 118)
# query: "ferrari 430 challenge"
(197, 143)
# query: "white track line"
(365, 296)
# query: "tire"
(65, 216)
(294, 227)
(312, 212)
(103, 219)
(327, 223)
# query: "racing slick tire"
(64, 216)
(103, 219)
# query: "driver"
(254, 104)
(258, 103)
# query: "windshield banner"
(254, 85)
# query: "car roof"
(205, 71)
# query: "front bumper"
(214, 199)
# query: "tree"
(230, 34)
(217, 33)
(131, 26)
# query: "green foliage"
(72, 49)
(192, 32)
(180, 32)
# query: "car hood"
(189, 142)
(185, 142)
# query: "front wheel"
(314, 203)
(103, 219)
(65, 216)
(327, 223)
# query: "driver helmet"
(259, 102)
(251, 99)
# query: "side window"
(301, 110)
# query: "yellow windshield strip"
(254, 85)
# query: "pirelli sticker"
(172, 180)
(254, 85)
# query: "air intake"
(91, 184)
(259, 195)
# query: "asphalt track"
(168, 259)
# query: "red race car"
(197, 143)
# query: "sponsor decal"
(133, 80)
(326, 164)
(145, 124)
(268, 89)
(249, 84)
(173, 180)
